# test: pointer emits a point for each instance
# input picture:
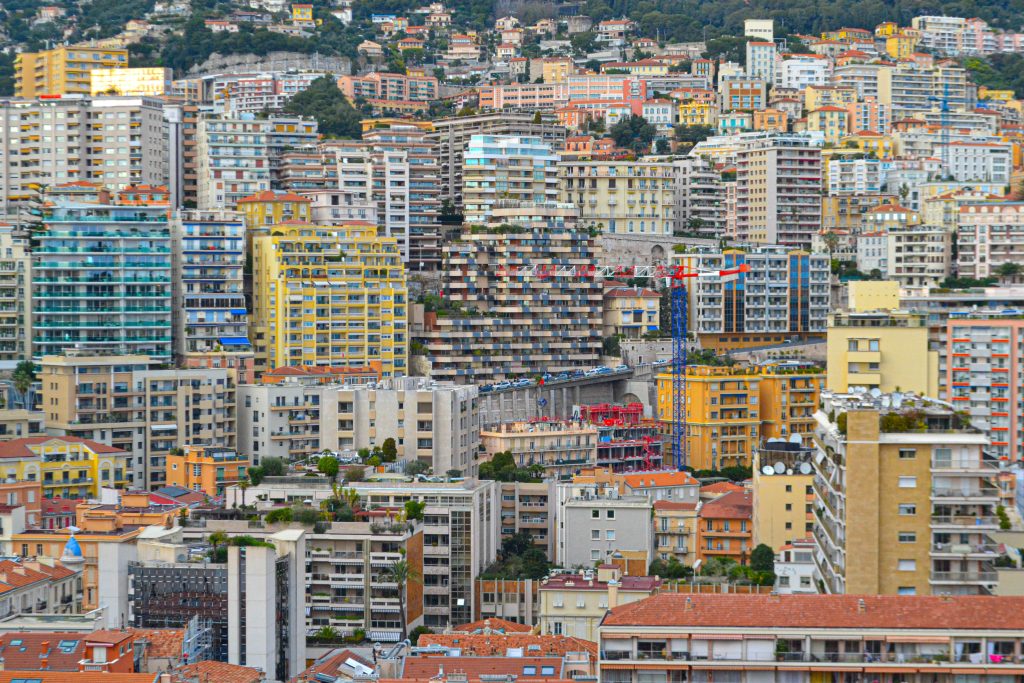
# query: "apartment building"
(909, 87)
(530, 508)
(783, 495)
(63, 70)
(461, 529)
(789, 393)
(15, 296)
(124, 401)
(404, 173)
(208, 469)
(548, 324)
(784, 295)
(854, 177)
(181, 121)
(881, 350)
(778, 195)
(798, 72)
(939, 34)
(237, 157)
(116, 141)
(209, 312)
(506, 167)
(266, 91)
(102, 276)
(65, 467)
(631, 312)
(983, 376)
(152, 81)
(573, 605)
(725, 528)
(347, 192)
(803, 638)
(272, 207)
(918, 256)
(593, 528)
(621, 197)
(561, 447)
(761, 60)
(922, 472)
(700, 198)
(384, 88)
(452, 136)
(356, 282)
(675, 530)
(988, 235)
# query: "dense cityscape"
(362, 341)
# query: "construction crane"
(677, 278)
(944, 124)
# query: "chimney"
(861, 606)
(613, 594)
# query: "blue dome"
(72, 549)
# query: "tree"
(1009, 270)
(762, 559)
(354, 474)
(414, 635)
(831, 240)
(328, 465)
(216, 539)
(402, 573)
(273, 467)
(24, 375)
(243, 486)
(633, 133)
(325, 102)
(390, 450)
(416, 467)
(256, 475)
(414, 509)
(502, 467)
(662, 147)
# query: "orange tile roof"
(108, 637)
(426, 668)
(272, 196)
(673, 505)
(77, 676)
(28, 651)
(329, 665)
(721, 487)
(495, 625)
(497, 644)
(658, 479)
(734, 505)
(221, 672)
(940, 613)
(164, 643)
(18, 448)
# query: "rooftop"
(733, 505)
(580, 583)
(493, 625)
(498, 644)
(938, 613)
(37, 651)
(221, 672)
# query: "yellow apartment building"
(63, 70)
(883, 350)
(873, 295)
(832, 122)
(901, 45)
(272, 207)
(675, 530)
(771, 120)
(65, 467)
(696, 113)
(144, 81)
(631, 312)
(560, 447)
(329, 295)
(556, 69)
(788, 398)
(722, 414)
(783, 498)
(208, 469)
(883, 146)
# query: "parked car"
(502, 385)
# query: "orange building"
(209, 469)
(26, 494)
(725, 527)
(788, 398)
(771, 120)
(134, 509)
(109, 652)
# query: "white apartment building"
(622, 197)
(15, 297)
(114, 141)
(939, 34)
(435, 422)
(854, 176)
(591, 528)
(799, 71)
(918, 256)
(988, 162)
(761, 60)
(236, 156)
(873, 252)
(778, 189)
(909, 88)
(512, 167)
(700, 197)
(988, 235)
(759, 29)
(862, 77)
(349, 196)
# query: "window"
(908, 509)
(529, 671)
(907, 565)
(609, 535)
(610, 514)
(789, 488)
(547, 671)
(907, 537)
(789, 507)
(907, 454)
(873, 345)
(595, 554)
(557, 628)
(908, 482)
(595, 534)
(595, 514)
(851, 345)
(907, 590)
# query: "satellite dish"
(789, 471)
(805, 468)
(897, 399)
(795, 438)
(886, 402)
(768, 470)
(780, 468)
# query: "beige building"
(574, 604)
(631, 312)
(783, 494)
(18, 423)
(560, 447)
(919, 256)
(621, 197)
(904, 498)
(15, 296)
(675, 530)
(63, 70)
(150, 81)
(530, 507)
(880, 349)
(873, 295)
(126, 402)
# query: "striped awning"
(384, 636)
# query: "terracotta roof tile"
(274, 196)
(426, 668)
(164, 643)
(658, 479)
(497, 644)
(19, 448)
(734, 505)
(495, 625)
(76, 676)
(220, 672)
(673, 505)
(330, 665)
(721, 487)
(823, 611)
(25, 651)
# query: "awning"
(917, 639)
(839, 669)
(163, 428)
(239, 311)
(235, 341)
(890, 670)
(384, 636)
(718, 636)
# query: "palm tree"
(243, 485)
(24, 375)
(217, 539)
(402, 573)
